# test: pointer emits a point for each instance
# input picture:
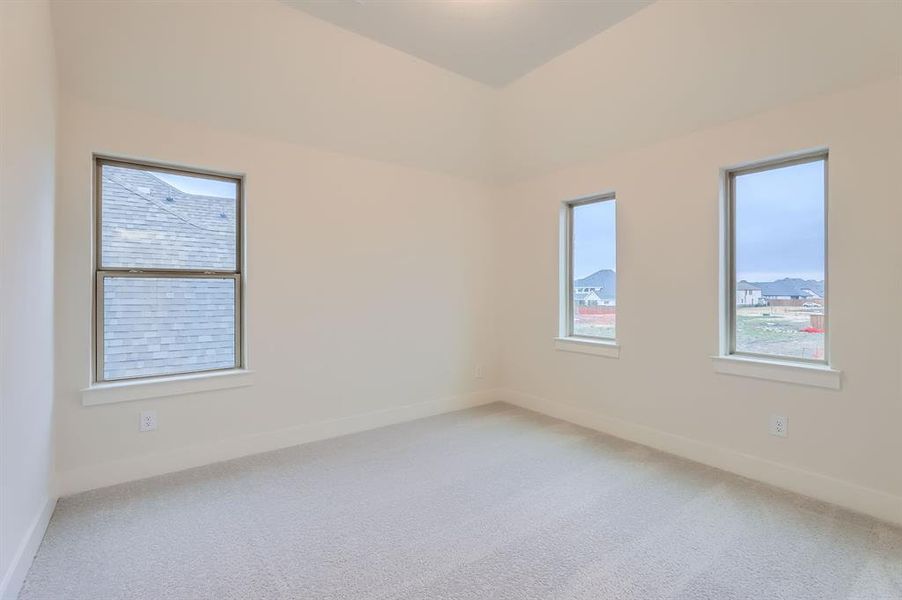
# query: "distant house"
(590, 298)
(791, 289)
(597, 289)
(748, 294)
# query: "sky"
(594, 238)
(199, 185)
(780, 223)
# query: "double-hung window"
(589, 294)
(775, 260)
(168, 279)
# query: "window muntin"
(591, 287)
(777, 292)
(168, 278)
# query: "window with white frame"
(589, 296)
(775, 259)
(168, 280)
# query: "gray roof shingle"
(151, 224)
(154, 325)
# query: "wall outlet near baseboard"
(148, 421)
(779, 425)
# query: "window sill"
(787, 372)
(608, 349)
(160, 387)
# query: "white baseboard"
(148, 465)
(28, 547)
(875, 503)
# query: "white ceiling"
(492, 41)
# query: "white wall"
(27, 131)
(663, 390)
(323, 231)
(653, 108)
(362, 169)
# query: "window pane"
(594, 254)
(154, 219)
(158, 325)
(779, 261)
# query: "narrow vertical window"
(591, 256)
(776, 259)
(167, 273)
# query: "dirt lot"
(778, 330)
(595, 325)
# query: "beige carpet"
(490, 503)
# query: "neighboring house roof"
(155, 326)
(604, 282)
(745, 285)
(149, 223)
(802, 288)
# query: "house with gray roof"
(590, 298)
(748, 294)
(791, 288)
(158, 325)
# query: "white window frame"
(236, 274)
(816, 372)
(566, 339)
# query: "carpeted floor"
(489, 503)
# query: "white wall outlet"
(479, 371)
(779, 425)
(148, 420)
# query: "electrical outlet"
(779, 425)
(148, 420)
(479, 372)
